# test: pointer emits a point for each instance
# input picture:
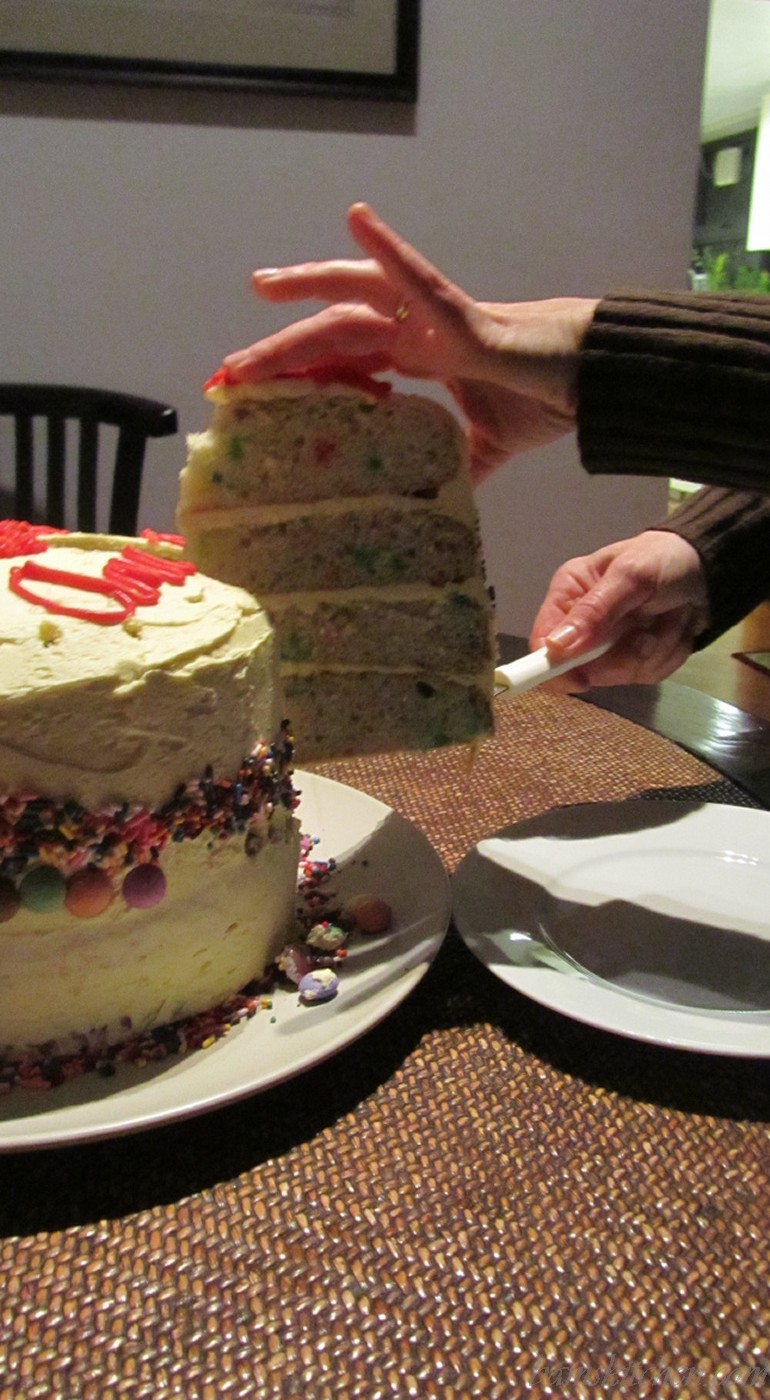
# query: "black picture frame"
(396, 81)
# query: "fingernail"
(564, 637)
(231, 367)
(264, 273)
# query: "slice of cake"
(347, 509)
(148, 851)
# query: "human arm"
(731, 532)
(665, 592)
(677, 384)
(654, 381)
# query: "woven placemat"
(479, 1197)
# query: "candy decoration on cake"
(319, 985)
(89, 892)
(327, 937)
(66, 855)
(43, 889)
(369, 913)
(144, 886)
(17, 537)
(9, 900)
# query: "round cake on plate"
(148, 847)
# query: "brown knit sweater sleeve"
(678, 385)
(731, 532)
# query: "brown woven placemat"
(479, 1197)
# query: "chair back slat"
(25, 479)
(88, 456)
(136, 419)
(127, 481)
(54, 493)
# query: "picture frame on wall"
(337, 48)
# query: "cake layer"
(101, 710)
(375, 545)
(285, 442)
(347, 713)
(224, 917)
(447, 631)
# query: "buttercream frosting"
(128, 711)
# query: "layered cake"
(148, 848)
(347, 509)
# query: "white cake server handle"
(537, 666)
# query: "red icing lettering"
(154, 569)
(132, 580)
(18, 537)
(40, 573)
(342, 373)
(158, 537)
(324, 372)
(221, 376)
(124, 575)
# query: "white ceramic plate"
(650, 919)
(377, 851)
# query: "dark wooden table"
(733, 741)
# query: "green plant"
(726, 274)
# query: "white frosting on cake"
(127, 711)
(125, 750)
(225, 915)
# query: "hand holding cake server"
(659, 384)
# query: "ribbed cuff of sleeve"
(731, 532)
(677, 386)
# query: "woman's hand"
(511, 367)
(649, 591)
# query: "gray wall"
(553, 151)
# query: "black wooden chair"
(136, 420)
